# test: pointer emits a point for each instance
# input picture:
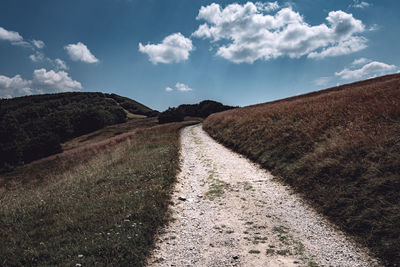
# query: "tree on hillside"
(203, 110)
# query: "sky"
(164, 53)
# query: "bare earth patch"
(229, 212)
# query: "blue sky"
(169, 52)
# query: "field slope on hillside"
(33, 127)
(339, 147)
(98, 204)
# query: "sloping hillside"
(339, 147)
(33, 127)
(100, 203)
(200, 110)
(133, 106)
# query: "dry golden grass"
(110, 131)
(97, 204)
(339, 147)
(135, 116)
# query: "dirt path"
(229, 212)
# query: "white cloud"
(60, 64)
(321, 81)
(353, 44)
(37, 57)
(360, 61)
(38, 44)
(360, 4)
(54, 81)
(57, 63)
(183, 87)
(254, 35)
(370, 69)
(174, 48)
(16, 39)
(80, 52)
(43, 82)
(15, 86)
(267, 6)
(179, 87)
(373, 27)
(10, 35)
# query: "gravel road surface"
(228, 211)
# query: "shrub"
(170, 115)
(202, 110)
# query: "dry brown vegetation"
(339, 147)
(110, 131)
(100, 203)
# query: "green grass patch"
(216, 189)
(247, 186)
(103, 211)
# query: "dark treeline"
(202, 110)
(33, 127)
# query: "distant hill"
(32, 127)
(132, 106)
(202, 110)
(339, 147)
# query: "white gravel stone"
(248, 212)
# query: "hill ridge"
(33, 127)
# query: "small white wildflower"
(80, 256)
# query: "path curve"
(229, 212)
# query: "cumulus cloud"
(37, 57)
(179, 87)
(38, 44)
(183, 87)
(267, 6)
(80, 52)
(16, 39)
(54, 81)
(10, 35)
(359, 4)
(57, 63)
(370, 69)
(14, 86)
(60, 64)
(360, 61)
(174, 48)
(349, 46)
(43, 82)
(252, 34)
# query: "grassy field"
(100, 203)
(110, 131)
(339, 147)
